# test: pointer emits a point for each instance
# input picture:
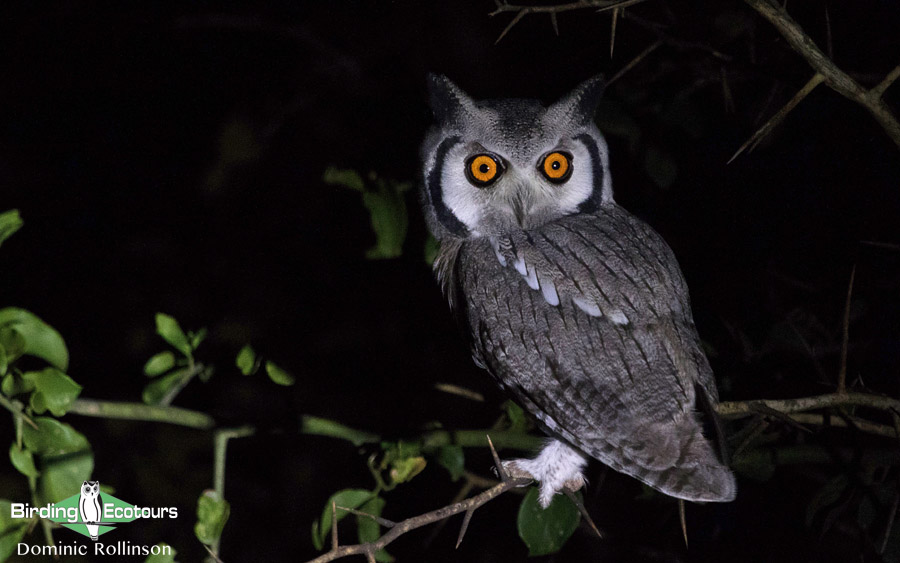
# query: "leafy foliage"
(212, 514)
(545, 531)
(387, 208)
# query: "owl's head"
(493, 166)
(90, 488)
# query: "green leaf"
(212, 514)
(12, 530)
(197, 338)
(451, 458)
(10, 222)
(53, 391)
(661, 167)
(348, 498)
(158, 388)
(278, 375)
(343, 177)
(41, 340)
(53, 438)
(13, 343)
(23, 461)
(62, 476)
(545, 531)
(246, 360)
(159, 364)
(324, 427)
(403, 470)
(4, 361)
(369, 530)
(386, 205)
(162, 556)
(170, 331)
(389, 218)
(14, 385)
(517, 419)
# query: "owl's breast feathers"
(587, 322)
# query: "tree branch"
(139, 411)
(398, 529)
(553, 10)
(834, 77)
(738, 409)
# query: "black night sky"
(169, 157)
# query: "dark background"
(169, 157)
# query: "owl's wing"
(608, 264)
(618, 382)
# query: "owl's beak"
(519, 203)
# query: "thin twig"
(886, 83)
(845, 340)
(501, 471)
(15, 407)
(584, 513)
(878, 243)
(409, 524)
(635, 61)
(890, 522)
(461, 391)
(683, 518)
(738, 409)
(381, 521)
(773, 121)
(140, 411)
(612, 31)
(334, 532)
(465, 526)
(215, 556)
(759, 426)
(837, 80)
(858, 423)
(522, 11)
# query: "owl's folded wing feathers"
(580, 258)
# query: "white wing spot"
(549, 291)
(519, 265)
(532, 280)
(618, 317)
(588, 307)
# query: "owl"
(577, 308)
(89, 506)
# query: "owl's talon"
(558, 468)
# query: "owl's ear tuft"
(447, 100)
(581, 103)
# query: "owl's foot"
(558, 468)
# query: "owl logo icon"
(89, 507)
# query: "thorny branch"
(834, 77)
(792, 408)
(825, 69)
(397, 529)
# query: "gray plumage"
(577, 308)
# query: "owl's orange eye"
(557, 166)
(483, 169)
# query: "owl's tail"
(676, 459)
